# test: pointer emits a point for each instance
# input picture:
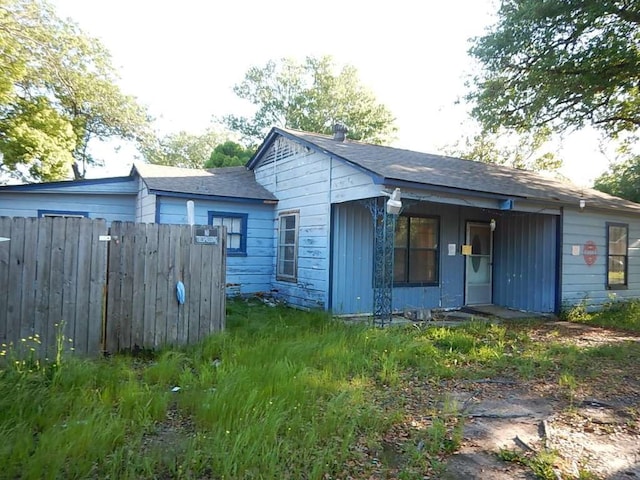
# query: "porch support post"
(384, 236)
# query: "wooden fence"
(108, 289)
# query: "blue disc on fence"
(180, 293)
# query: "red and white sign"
(590, 252)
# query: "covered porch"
(436, 255)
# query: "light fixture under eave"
(394, 204)
(492, 224)
(582, 203)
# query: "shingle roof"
(233, 182)
(426, 170)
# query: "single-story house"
(307, 221)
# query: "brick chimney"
(340, 132)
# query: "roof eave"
(204, 196)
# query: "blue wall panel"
(110, 207)
(352, 259)
(525, 257)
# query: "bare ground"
(594, 431)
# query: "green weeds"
(540, 463)
(618, 314)
(280, 394)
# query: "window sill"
(286, 279)
(617, 287)
(236, 254)
(413, 285)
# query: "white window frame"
(283, 246)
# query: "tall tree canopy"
(561, 63)
(622, 179)
(57, 92)
(310, 96)
(523, 151)
(183, 149)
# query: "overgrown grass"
(280, 394)
(618, 314)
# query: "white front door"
(479, 264)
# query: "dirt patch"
(593, 434)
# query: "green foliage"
(525, 151)
(57, 92)
(620, 314)
(183, 149)
(310, 96)
(36, 136)
(622, 180)
(229, 154)
(562, 63)
(540, 463)
(576, 313)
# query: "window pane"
(422, 266)
(236, 225)
(287, 268)
(233, 241)
(288, 222)
(423, 232)
(400, 265)
(216, 221)
(289, 253)
(617, 240)
(617, 269)
(289, 237)
(402, 225)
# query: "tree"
(57, 93)
(310, 96)
(522, 151)
(560, 63)
(229, 154)
(183, 149)
(622, 179)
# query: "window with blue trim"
(62, 213)
(236, 224)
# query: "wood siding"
(587, 283)
(145, 204)
(301, 181)
(109, 207)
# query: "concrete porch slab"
(502, 312)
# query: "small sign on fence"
(206, 235)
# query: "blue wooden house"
(307, 221)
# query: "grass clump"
(618, 314)
(541, 463)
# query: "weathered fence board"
(45, 271)
(146, 262)
(108, 295)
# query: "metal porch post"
(384, 236)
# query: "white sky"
(181, 59)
